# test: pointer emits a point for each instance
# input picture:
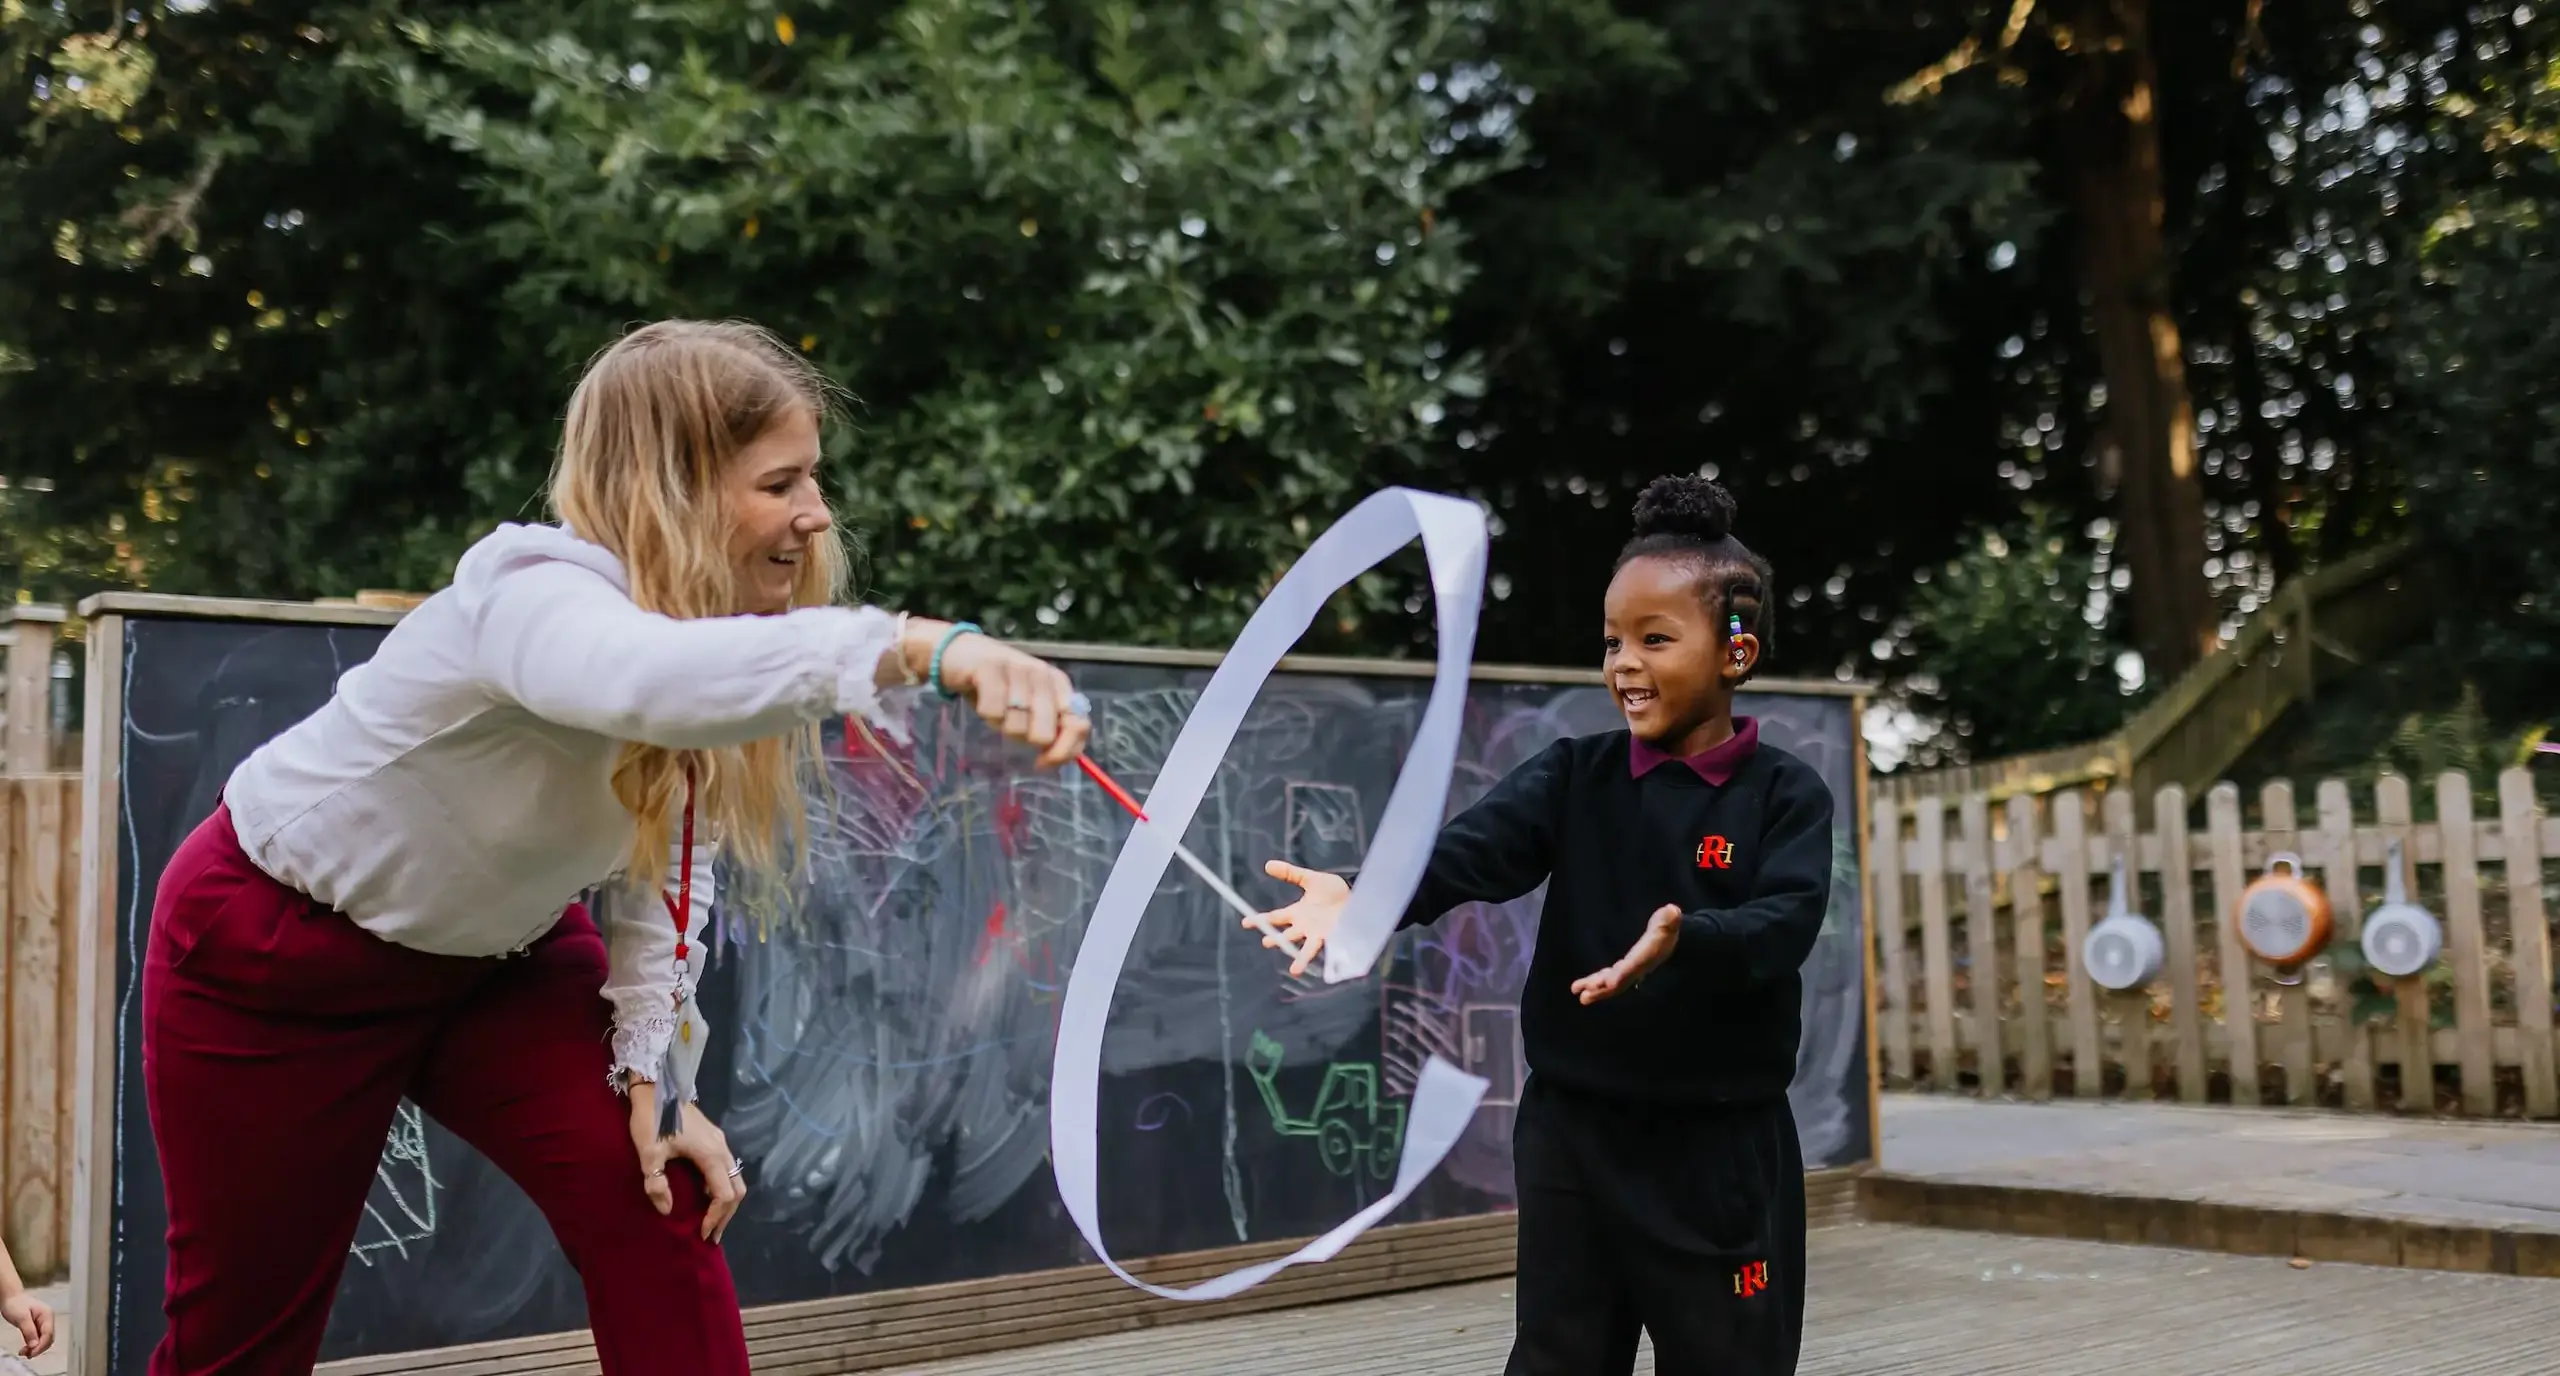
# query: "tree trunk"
(2148, 437)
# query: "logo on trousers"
(1751, 1279)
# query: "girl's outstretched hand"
(1311, 919)
(1661, 937)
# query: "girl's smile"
(1671, 670)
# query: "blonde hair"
(655, 421)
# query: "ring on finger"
(658, 1174)
(736, 1169)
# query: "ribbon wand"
(1083, 707)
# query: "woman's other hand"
(698, 1142)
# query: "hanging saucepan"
(2400, 938)
(2284, 917)
(2125, 949)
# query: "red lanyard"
(680, 907)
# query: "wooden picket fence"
(1996, 1000)
(30, 738)
(39, 883)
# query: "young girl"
(385, 903)
(1688, 866)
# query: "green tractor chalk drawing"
(1349, 1124)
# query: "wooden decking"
(1889, 1299)
(1895, 1301)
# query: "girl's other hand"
(1661, 937)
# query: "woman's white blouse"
(454, 795)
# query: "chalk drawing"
(1494, 1050)
(895, 1009)
(402, 1208)
(1353, 1128)
(889, 1058)
(1326, 828)
(1230, 1173)
(1833, 1038)
(1829, 1090)
(1156, 1110)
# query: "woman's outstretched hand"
(1312, 918)
(1023, 697)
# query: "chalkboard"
(883, 1028)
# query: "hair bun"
(1685, 504)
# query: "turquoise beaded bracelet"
(934, 674)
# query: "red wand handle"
(1079, 706)
(1111, 786)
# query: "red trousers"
(277, 1040)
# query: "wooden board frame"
(312, 613)
(847, 1333)
(93, 1058)
(938, 1322)
(1867, 935)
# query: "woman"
(387, 902)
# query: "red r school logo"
(1715, 853)
(1751, 1279)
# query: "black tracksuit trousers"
(1687, 1222)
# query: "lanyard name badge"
(677, 1072)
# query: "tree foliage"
(2479, 345)
(246, 342)
(1134, 298)
(1726, 252)
(1836, 251)
(2017, 643)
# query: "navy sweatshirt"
(1748, 862)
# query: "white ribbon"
(1445, 1097)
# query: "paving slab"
(2444, 1204)
(2487, 1173)
(1897, 1301)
